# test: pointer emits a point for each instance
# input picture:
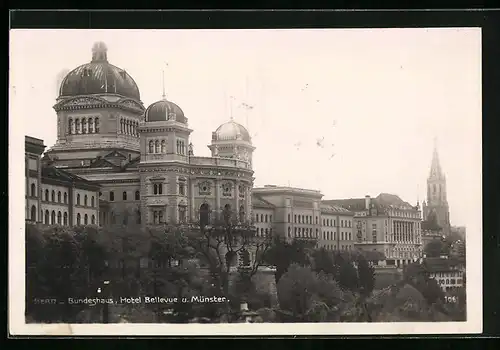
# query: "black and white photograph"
(225, 182)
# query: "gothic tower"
(437, 202)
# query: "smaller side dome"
(164, 110)
(231, 131)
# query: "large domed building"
(142, 158)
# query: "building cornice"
(96, 102)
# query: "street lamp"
(105, 310)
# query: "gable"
(115, 154)
(102, 163)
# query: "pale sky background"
(384, 94)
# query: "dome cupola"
(231, 131)
(98, 77)
(164, 110)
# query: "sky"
(347, 112)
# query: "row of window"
(63, 198)
(263, 218)
(344, 236)
(129, 127)
(334, 247)
(158, 215)
(451, 281)
(160, 146)
(264, 232)
(51, 218)
(83, 126)
(137, 196)
(308, 219)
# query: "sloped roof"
(352, 204)
(381, 202)
(259, 202)
(334, 209)
(52, 173)
(388, 200)
(440, 264)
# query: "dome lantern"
(99, 52)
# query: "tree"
(323, 261)
(346, 274)
(219, 245)
(434, 249)
(282, 254)
(307, 296)
(56, 270)
(366, 275)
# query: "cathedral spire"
(435, 165)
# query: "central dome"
(232, 131)
(99, 77)
(164, 110)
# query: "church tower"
(437, 203)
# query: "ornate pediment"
(157, 201)
(115, 154)
(131, 104)
(79, 101)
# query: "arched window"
(70, 126)
(111, 196)
(97, 125)
(47, 217)
(86, 219)
(53, 196)
(77, 126)
(265, 220)
(157, 146)
(85, 200)
(78, 199)
(227, 213)
(65, 219)
(261, 217)
(121, 126)
(163, 147)
(78, 219)
(256, 217)
(33, 213)
(137, 195)
(53, 217)
(92, 201)
(33, 190)
(91, 126)
(182, 214)
(151, 147)
(242, 214)
(93, 219)
(160, 188)
(204, 214)
(316, 220)
(124, 195)
(289, 231)
(59, 196)
(84, 126)
(160, 217)
(288, 218)
(65, 198)
(59, 217)
(155, 189)
(267, 232)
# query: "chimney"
(367, 202)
